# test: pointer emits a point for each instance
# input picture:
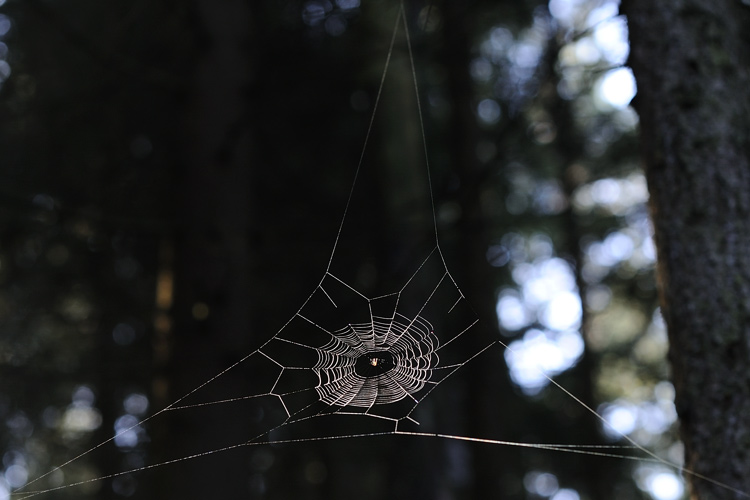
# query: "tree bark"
(691, 60)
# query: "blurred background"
(172, 178)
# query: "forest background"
(173, 176)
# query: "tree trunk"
(691, 60)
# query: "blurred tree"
(87, 105)
(691, 60)
(212, 246)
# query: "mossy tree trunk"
(691, 59)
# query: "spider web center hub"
(374, 363)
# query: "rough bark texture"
(691, 59)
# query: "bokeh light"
(5, 25)
(617, 87)
(489, 111)
(4, 489)
(542, 354)
(127, 431)
(660, 483)
(136, 404)
(566, 494)
(542, 484)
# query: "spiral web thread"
(345, 353)
(380, 360)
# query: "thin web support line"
(367, 136)
(589, 450)
(566, 448)
(347, 389)
(421, 120)
(402, 12)
(633, 443)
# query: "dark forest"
(176, 281)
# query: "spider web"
(349, 351)
(346, 353)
